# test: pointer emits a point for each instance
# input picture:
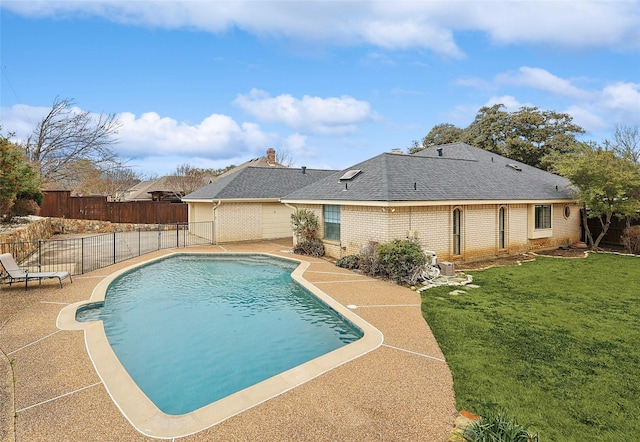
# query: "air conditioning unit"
(446, 268)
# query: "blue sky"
(332, 83)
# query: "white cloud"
(217, 136)
(511, 104)
(390, 25)
(623, 99)
(333, 115)
(542, 79)
(590, 108)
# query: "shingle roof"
(258, 183)
(463, 172)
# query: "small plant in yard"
(497, 427)
(369, 263)
(402, 260)
(305, 225)
(348, 262)
(631, 239)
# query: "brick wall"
(432, 226)
(238, 222)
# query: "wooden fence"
(614, 234)
(60, 204)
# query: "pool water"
(192, 329)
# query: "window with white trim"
(502, 222)
(332, 222)
(457, 231)
(542, 216)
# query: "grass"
(555, 342)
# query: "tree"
(527, 135)
(626, 143)
(604, 183)
(17, 177)
(440, 134)
(284, 158)
(67, 134)
(187, 178)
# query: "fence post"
(177, 236)
(82, 256)
(39, 255)
(114, 247)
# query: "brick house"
(462, 202)
(245, 204)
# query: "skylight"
(349, 175)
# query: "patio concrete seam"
(58, 397)
(336, 273)
(414, 353)
(34, 342)
(387, 305)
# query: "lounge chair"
(15, 273)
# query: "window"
(543, 216)
(456, 231)
(332, 222)
(501, 228)
(567, 212)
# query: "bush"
(631, 239)
(305, 225)
(497, 427)
(348, 262)
(369, 263)
(24, 207)
(313, 247)
(402, 260)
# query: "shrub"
(402, 260)
(369, 263)
(497, 427)
(305, 225)
(312, 247)
(24, 207)
(631, 239)
(348, 262)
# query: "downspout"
(215, 206)
(295, 209)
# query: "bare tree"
(626, 143)
(284, 158)
(67, 134)
(187, 178)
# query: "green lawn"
(555, 342)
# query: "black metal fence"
(85, 254)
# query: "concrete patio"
(401, 391)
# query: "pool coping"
(145, 416)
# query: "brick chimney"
(271, 156)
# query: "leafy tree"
(527, 135)
(66, 135)
(604, 183)
(440, 134)
(17, 177)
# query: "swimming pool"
(145, 415)
(192, 329)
